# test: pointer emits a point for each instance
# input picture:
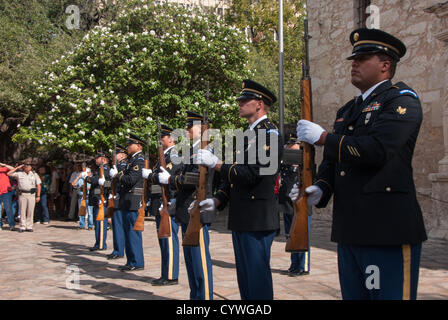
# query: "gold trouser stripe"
(306, 262)
(204, 263)
(340, 144)
(170, 259)
(101, 234)
(406, 271)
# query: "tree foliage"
(152, 61)
(260, 20)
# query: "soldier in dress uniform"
(96, 182)
(253, 212)
(197, 259)
(169, 247)
(367, 166)
(117, 219)
(300, 261)
(130, 184)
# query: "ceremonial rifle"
(298, 234)
(83, 208)
(140, 222)
(100, 215)
(191, 238)
(165, 225)
(111, 201)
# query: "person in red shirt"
(6, 194)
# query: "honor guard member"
(300, 261)
(169, 247)
(253, 213)
(367, 166)
(197, 259)
(96, 182)
(130, 184)
(117, 219)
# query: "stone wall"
(423, 68)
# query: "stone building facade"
(423, 27)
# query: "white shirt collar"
(252, 126)
(164, 152)
(136, 153)
(368, 92)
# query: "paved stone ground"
(34, 266)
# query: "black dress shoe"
(113, 257)
(131, 268)
(94, 249)
(297, 273)
(123, 267)
(164, 282)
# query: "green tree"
(260, 20)
(34, 34)
(152, 61)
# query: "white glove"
(83, 174)
(208, 205)
(111, 196)
(146, 173)
(206, 158)
(163, 176)
(101, 181)
(314, 195)
(113, 172)
(308, 131)
(294, 193)
(171, 206)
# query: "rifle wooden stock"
(298, 234)
(83, 207)
(165, 223)
(100, 215)
(191, 238)
(140, 222)
(111, 202)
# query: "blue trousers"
(300, 261)
(169, 250)
(82, 219)
(100, 230)
(42, 209)
(379, 272)
(199, 266)
(118, 233)
(252, 256)
(6, 199)
(133, 240)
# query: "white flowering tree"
(153, 61)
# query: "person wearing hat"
(28, 189)
(367, 167)
(300, 261)
(97, 181)
(130, 186)
(169, 247)
(6, 195)
(253, 211)
(197, 259)
(117, 219)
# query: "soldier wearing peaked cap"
(97, 181)
(197, 259)
(169, 247)
(249, 190)
(367, 167)
(130, 185)
(117, 219)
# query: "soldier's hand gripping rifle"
(83, 207)
(165, 225)
(111, 201)
(100, 216)
(140, 222)
(191, 238)
(298, 234)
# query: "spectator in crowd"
(15, 200)
(79, 183)
(74, 192)
(6, 195)
(43, 215)
(53, 192)
(28, 187)
(61, 198)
